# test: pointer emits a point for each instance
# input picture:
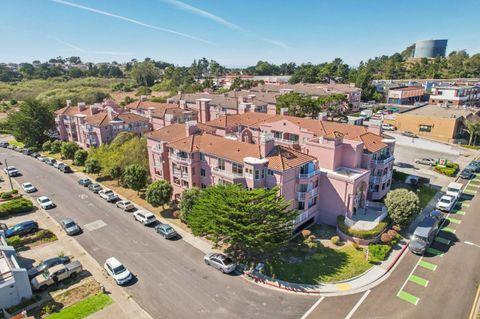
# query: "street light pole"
(8, 174)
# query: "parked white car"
(454, 190)
(28, 187)
(144, 216)
(11, 171)
(426, 161)
(388, 127)
(58, 164)
(117, 271)
(108, 195)
(45, 202)
(446, 203)
(125, 205)
(220, 261)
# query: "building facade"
(94, 125)
(456, 95)
(14, 283)
(325, 169)
(406, 95)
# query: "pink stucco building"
(325, 169)
(96, 124)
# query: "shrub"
(386, 238)
(306, 233)
(335, 240)
(14, 206)
(176, 214)
(56, 146)
(450, 169)
(80, 157)
(68, 150)
(14, 241)
(378, 252)
(397, 228)
(402, 205)
(393, 233)
(92, 166)
(47, 146)
(9, 194)
(363, 234)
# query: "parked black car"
(466, 174)
(47, 263)
(65, 169)
(23, 228)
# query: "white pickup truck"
(56, 274)
(108, 195)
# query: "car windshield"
(70, 224)
(44, 200)
(454, 190)
(150, 217)
(445, 200)
(11, 168)
(168, 229)
(419, 238)
(118, 270)
(126, 203)
(27, 185)
(227, 261)
(108, 193)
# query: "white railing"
(384, 161)
(226, 173)
(180, 158)
(180, 174)
(281, 140)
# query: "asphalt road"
(450, 290)
(173, 281)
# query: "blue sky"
(235, 33)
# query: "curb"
(278, 286)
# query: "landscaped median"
(15, 206)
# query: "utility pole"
(9, 178)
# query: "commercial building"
(325, 169)
(436, 122)
(408, 95)
(93, 125)
(430, 48)
(456, 95)
(14, 283)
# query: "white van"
(454, 190)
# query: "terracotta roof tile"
(372, 142)
(282, 158)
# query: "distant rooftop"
(439, 111)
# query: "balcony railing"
(180, 158)
(384, 160)
(180, 174)
(380, 179)
(226, 173)
(301, 195)
(308, 175)
(281, 140)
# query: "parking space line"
(448, 229)
(465, 204)
(435, 252)
(454, 220)
(350, 314)
(442, 240)
(418, 280)
(315, 305)
(469, 192)
(427, 265)
(460, 212)
(408, 297)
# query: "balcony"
(380, 179)
(305, 214)
(182, 175)
(308, 175)
(384, 160)
(281, 140)
(311, 193)
(180, 158)
(225, 173)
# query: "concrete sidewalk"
(360, 283)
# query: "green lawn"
(323, 265)
(83, 308)
(425, 195)
(16, 143)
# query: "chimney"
(69, 102)
(81, 106)
(94, 109)
(143, 98)
(203, 106)
(266, 143)
(191, 128)
(183, 104)
(243, 108)
(271, 109)
(109, 113)
(323, 116)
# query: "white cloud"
(222, 21)
(137, 22)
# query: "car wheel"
(73, 275)
(207, 262)
(222, 270)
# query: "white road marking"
(350, 314)
(312, 308)
(83, 196)
(471, 244)
(95, 225)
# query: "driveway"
(173, 281)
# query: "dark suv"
(22, 228)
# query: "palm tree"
(473, 129)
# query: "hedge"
(449, 170)
(9, 194)
(14, 206)
(363, 234)
(379, 252)
(42, 235)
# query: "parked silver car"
(222, 262)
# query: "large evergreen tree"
(253, 223)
